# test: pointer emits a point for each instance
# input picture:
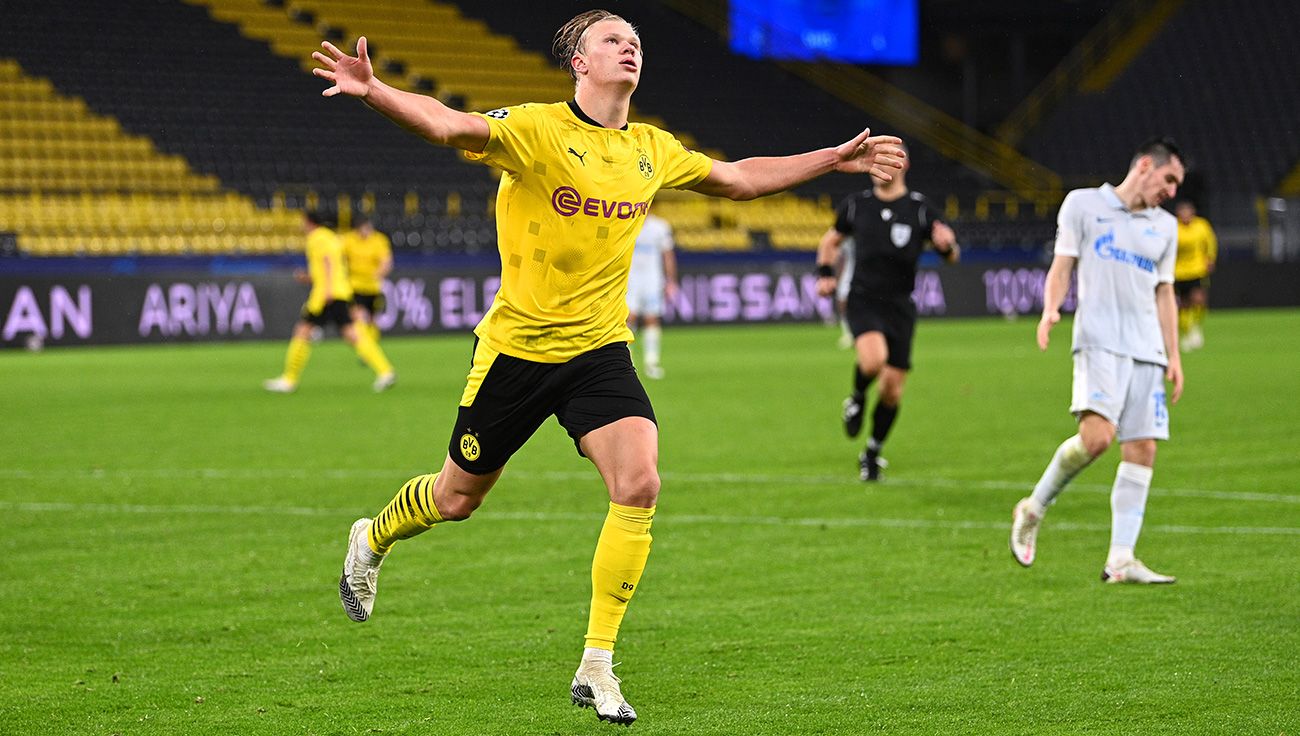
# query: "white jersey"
(1122, 256)
(648, 255)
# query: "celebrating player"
(1125, 346)
(577, 184)
(889, 227)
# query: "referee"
(889, 226)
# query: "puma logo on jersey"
(579, 155)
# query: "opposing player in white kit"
(653, 277)
(1125, 346)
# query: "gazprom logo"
(1106, 250)
(568, 202)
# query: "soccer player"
(889, 226)
(330, 302)
(1198, 248)
(369, 256)
(577, 183)
(653, 278)
(1125, 346)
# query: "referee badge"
(469, 447)
(900, 233)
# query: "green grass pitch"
(173, 537)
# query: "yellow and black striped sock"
(296, 359)
(621, 554)
(371, 353)
(411, 512)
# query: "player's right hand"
(825, 285)
(351, 75)
(1045, 326)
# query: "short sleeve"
(682, 167)
(844, 215)
(1069, 227)
(1165, 268)
(512, 133)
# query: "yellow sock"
(1184, 320)
(616, 570)
(296, 359)
(371, 353)
(374, 331)
(411, 512)
(1198, 315)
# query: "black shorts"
(506, 399)
(895, 319)
(372, 303)
(1184, 288)
(334, 312)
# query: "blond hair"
(569, 39)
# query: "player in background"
(890, 227)
(1198, 248)
(1125, 346)
(369, 256)
(330, 302)
(577, 182)
(653, 278)
(844, 279)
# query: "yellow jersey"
(1197, 248)
(572, 199)
(329, 279)
(364, 258)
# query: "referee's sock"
(296, 359)
(882, 419)
(411, 512)
(621, 554)
(861, 382)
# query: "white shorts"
(645, 298)
(1128, 393)
(846, 280)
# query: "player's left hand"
(878, 155)
(825, 285)
(943, 236)
(1174, 375)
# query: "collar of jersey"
(1108, 194)
(584, 117)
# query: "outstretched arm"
(424, 116)
(751, 178)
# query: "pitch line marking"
(395, 476)
(669, 518)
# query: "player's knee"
(637, 489)
(457, 507)
(1141, 452)
(1098, 441)
(870, 366)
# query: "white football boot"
(1025, 519)
(279, 385)
(1134, 571)
(595, 686)
(385, 382)
(360, 577)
